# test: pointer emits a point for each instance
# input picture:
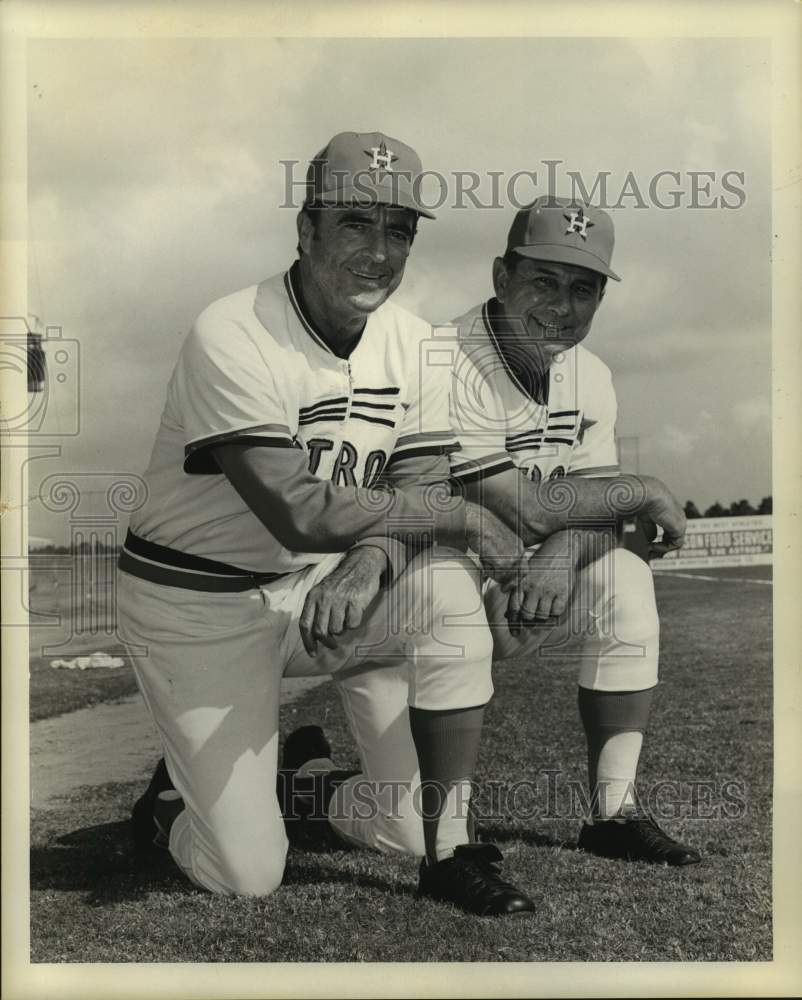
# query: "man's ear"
(306, 231)
(501, 277)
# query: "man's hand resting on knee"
(339, 601)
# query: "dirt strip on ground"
(105, 743)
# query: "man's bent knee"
(254, 876)
(247, 867)
(382, 816)
(633, 590)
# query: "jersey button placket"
(346, 366)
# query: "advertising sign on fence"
(722, 541)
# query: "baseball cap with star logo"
(366, 167)
(565, 232)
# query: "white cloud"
(676, 441)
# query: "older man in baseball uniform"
(266, 549)
(526, 389)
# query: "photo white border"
(778, 20)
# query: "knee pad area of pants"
(453, 598)
(248, 862)
(380, 818)
(405, 836)
(633, 591)
(453, 579)
(252, 875)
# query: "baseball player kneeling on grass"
(265, 549)
(413, 698)
(531, 404)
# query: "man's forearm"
(536, 510)
(578, 546)
(499, 548)
(307, 514)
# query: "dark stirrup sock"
(447, 742)
(604, 714)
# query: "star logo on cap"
(577, 223)
(382, 158)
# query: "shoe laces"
(482, 855)
(478, 864)
(651, 833)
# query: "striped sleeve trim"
(373, 406)
(334, 416)
(332, 402)
(372, 420)
(525, 443)
(427, 443)
(490, 465)
(424, 443)
(598, 470)
(425, 437)
(198, 457)
(424, 452)
(533, 432)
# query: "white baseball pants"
(211, 680)
(611, 629)
(610, 636)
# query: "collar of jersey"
(292, 283)
(491, 310)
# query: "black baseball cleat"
(471, 880)
(304, 798)
(303, 744)
(145, 829)
(637, 838)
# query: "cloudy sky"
(155, 187)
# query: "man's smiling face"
(356, 256)
(555, 303)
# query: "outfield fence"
(722, 541)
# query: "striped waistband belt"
(171, 568)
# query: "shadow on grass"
(505, 834)
(299, 873)
(101, 861)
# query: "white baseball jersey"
(570, 432)
(254, 370)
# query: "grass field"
(92, 901)
(71, 614)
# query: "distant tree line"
(739, 508)
(85, 548)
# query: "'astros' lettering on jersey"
(494, 417)
(254, 370)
